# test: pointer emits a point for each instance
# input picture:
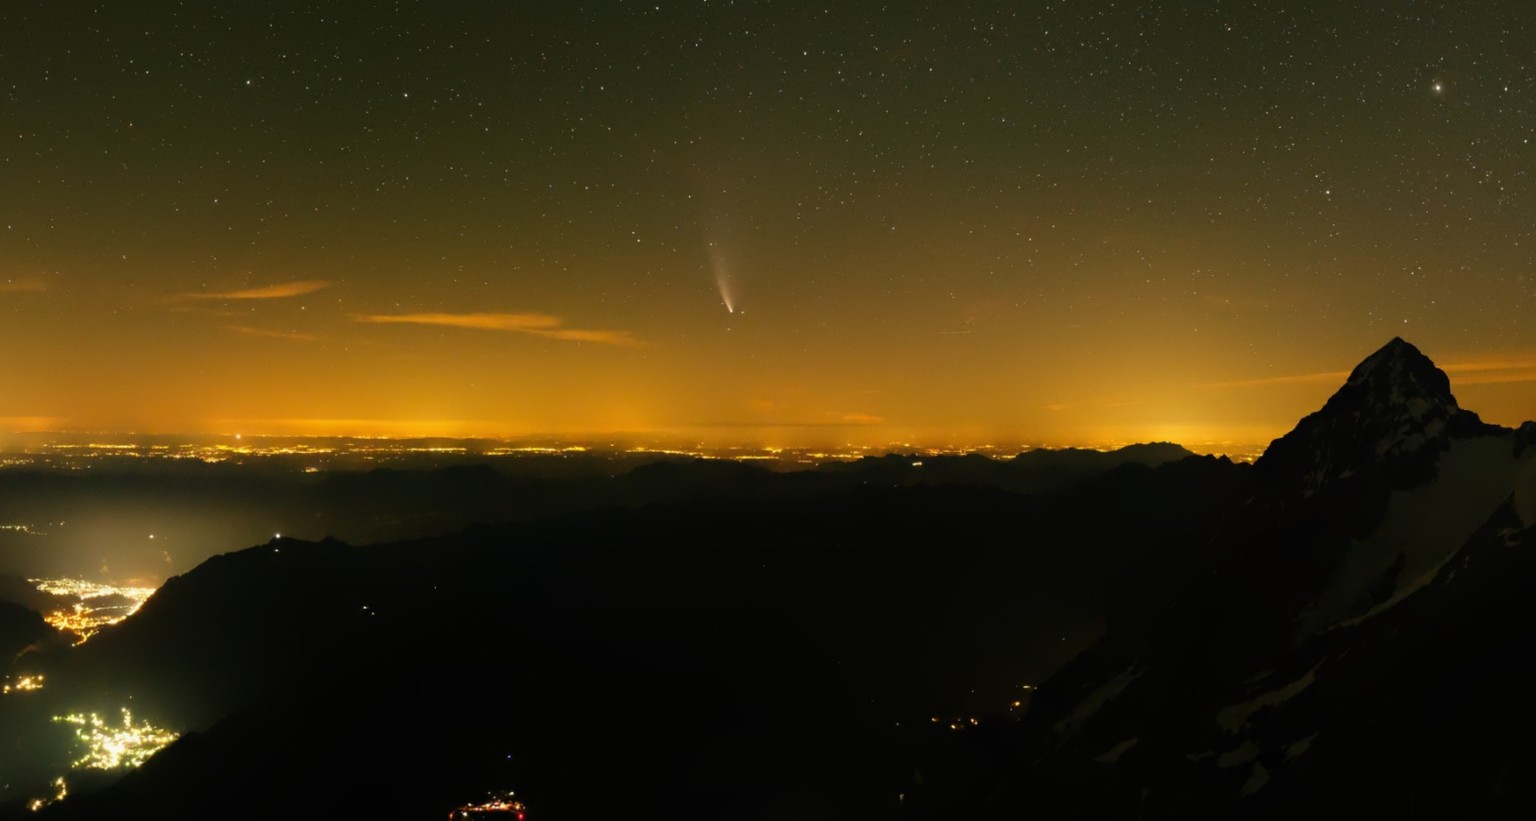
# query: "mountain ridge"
(1393, 415)
(1299, 662)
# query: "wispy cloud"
(479, 322)
(281, 290)
(1497, 378)
(1494, 365)
(1494, 372)
(23, 286)
(290, 336)
(1463, 373)
(545, 325)
(621, 338)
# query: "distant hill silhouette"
(202, 510)
(1044, 470)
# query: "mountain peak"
(1403, 373)
(1395, 410)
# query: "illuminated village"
(95, 605)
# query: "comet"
(725, 295)
(722, 270)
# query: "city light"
(60, 792)
(111, 748)
(320, 455)
(95, 605)
(22, 684)
(958, 723)
(497, 805)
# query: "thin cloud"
(1493, 373)
(1466, 367)
(281, 290)
(263, 333)
(1465, 373)
(479, 322)
(620, 338)
(23, 286)
(1498, 378)
(545, 325)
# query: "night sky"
(772, 222)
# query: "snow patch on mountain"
(1113, 753)
(1422, 529)
(1257, 778)
(1299, 747)
(1239, 755)
(1234, 718)
(1095, 701)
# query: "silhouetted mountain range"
(1345, 624)
(198, 510)
(1356, 639)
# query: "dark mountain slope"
(700, 656)
(19, 627)
(1355, 639)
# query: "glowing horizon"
(1499, 390)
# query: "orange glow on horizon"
(1206, 417)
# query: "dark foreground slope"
(20, 627)
(1357, 639)
(702, 660)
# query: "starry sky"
(945, 223)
